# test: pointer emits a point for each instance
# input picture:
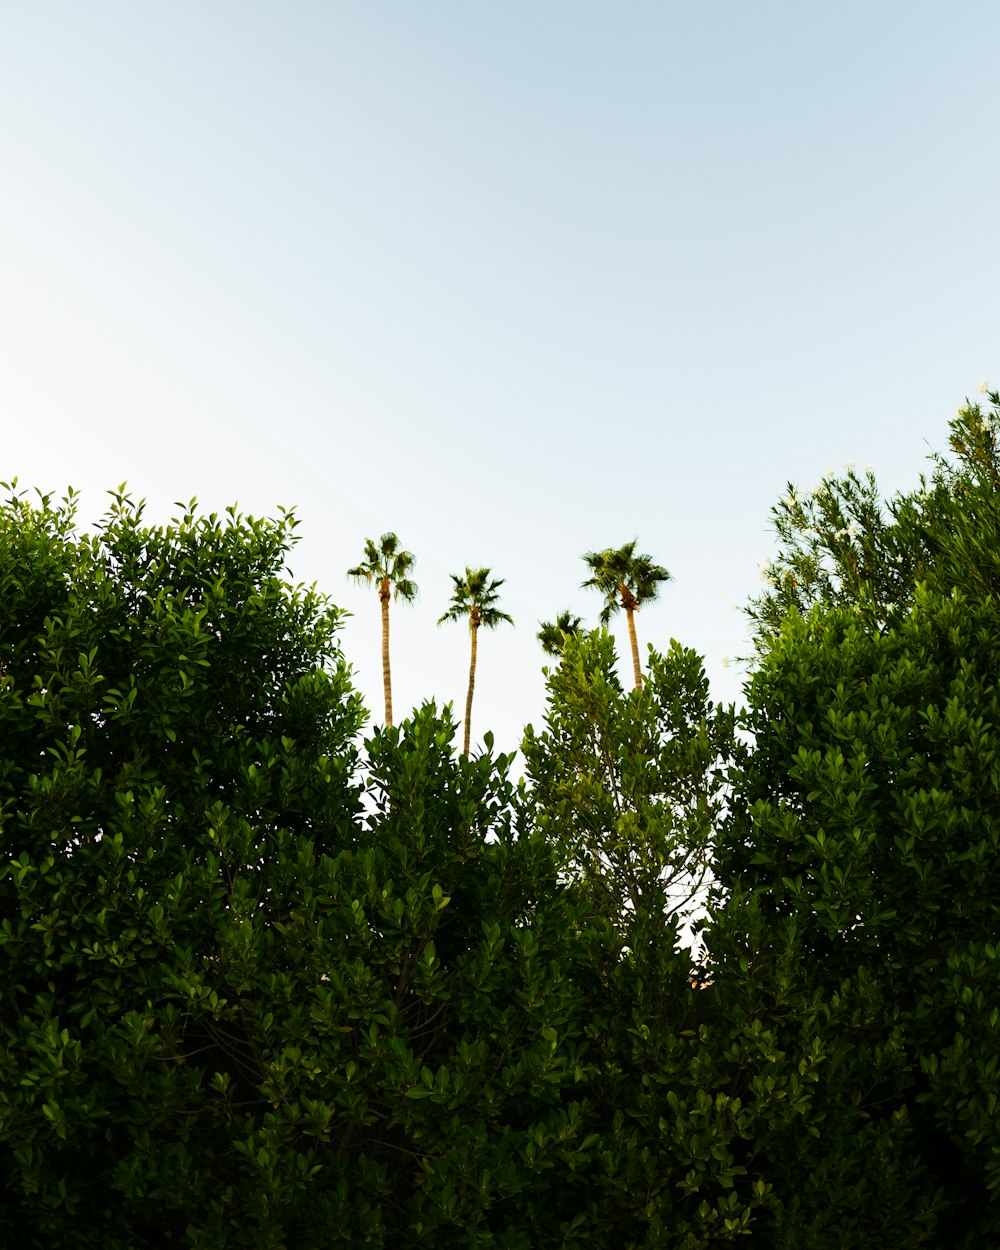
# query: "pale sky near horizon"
(515, 280)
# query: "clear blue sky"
(517, 280)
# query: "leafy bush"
(243, 1004)
(858, 861)
(264, 986)
(262, 989)
(630, 784)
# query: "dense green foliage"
(841, 545)
(630, 784)
(263, 985)
(858, 861)
(241, 1005)
(260, 992)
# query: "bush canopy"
(266, 985)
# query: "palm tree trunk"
(635, 648)
(386, 671)
(473, 630)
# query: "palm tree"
(389, 567)
(474, 596)
(553, 634)
(626, 581)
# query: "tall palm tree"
(389, 567)
(553, 634)
(626, 581)
(474, 596)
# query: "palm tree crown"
(553, 634)
(389, 567)
(626, 580)
(474, 596)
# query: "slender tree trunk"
(635, 647)
(473, 630)
(383, 595)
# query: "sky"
(517, 281)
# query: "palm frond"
(553, 634)
(617, 571)
(387, 561)
(476, 593)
